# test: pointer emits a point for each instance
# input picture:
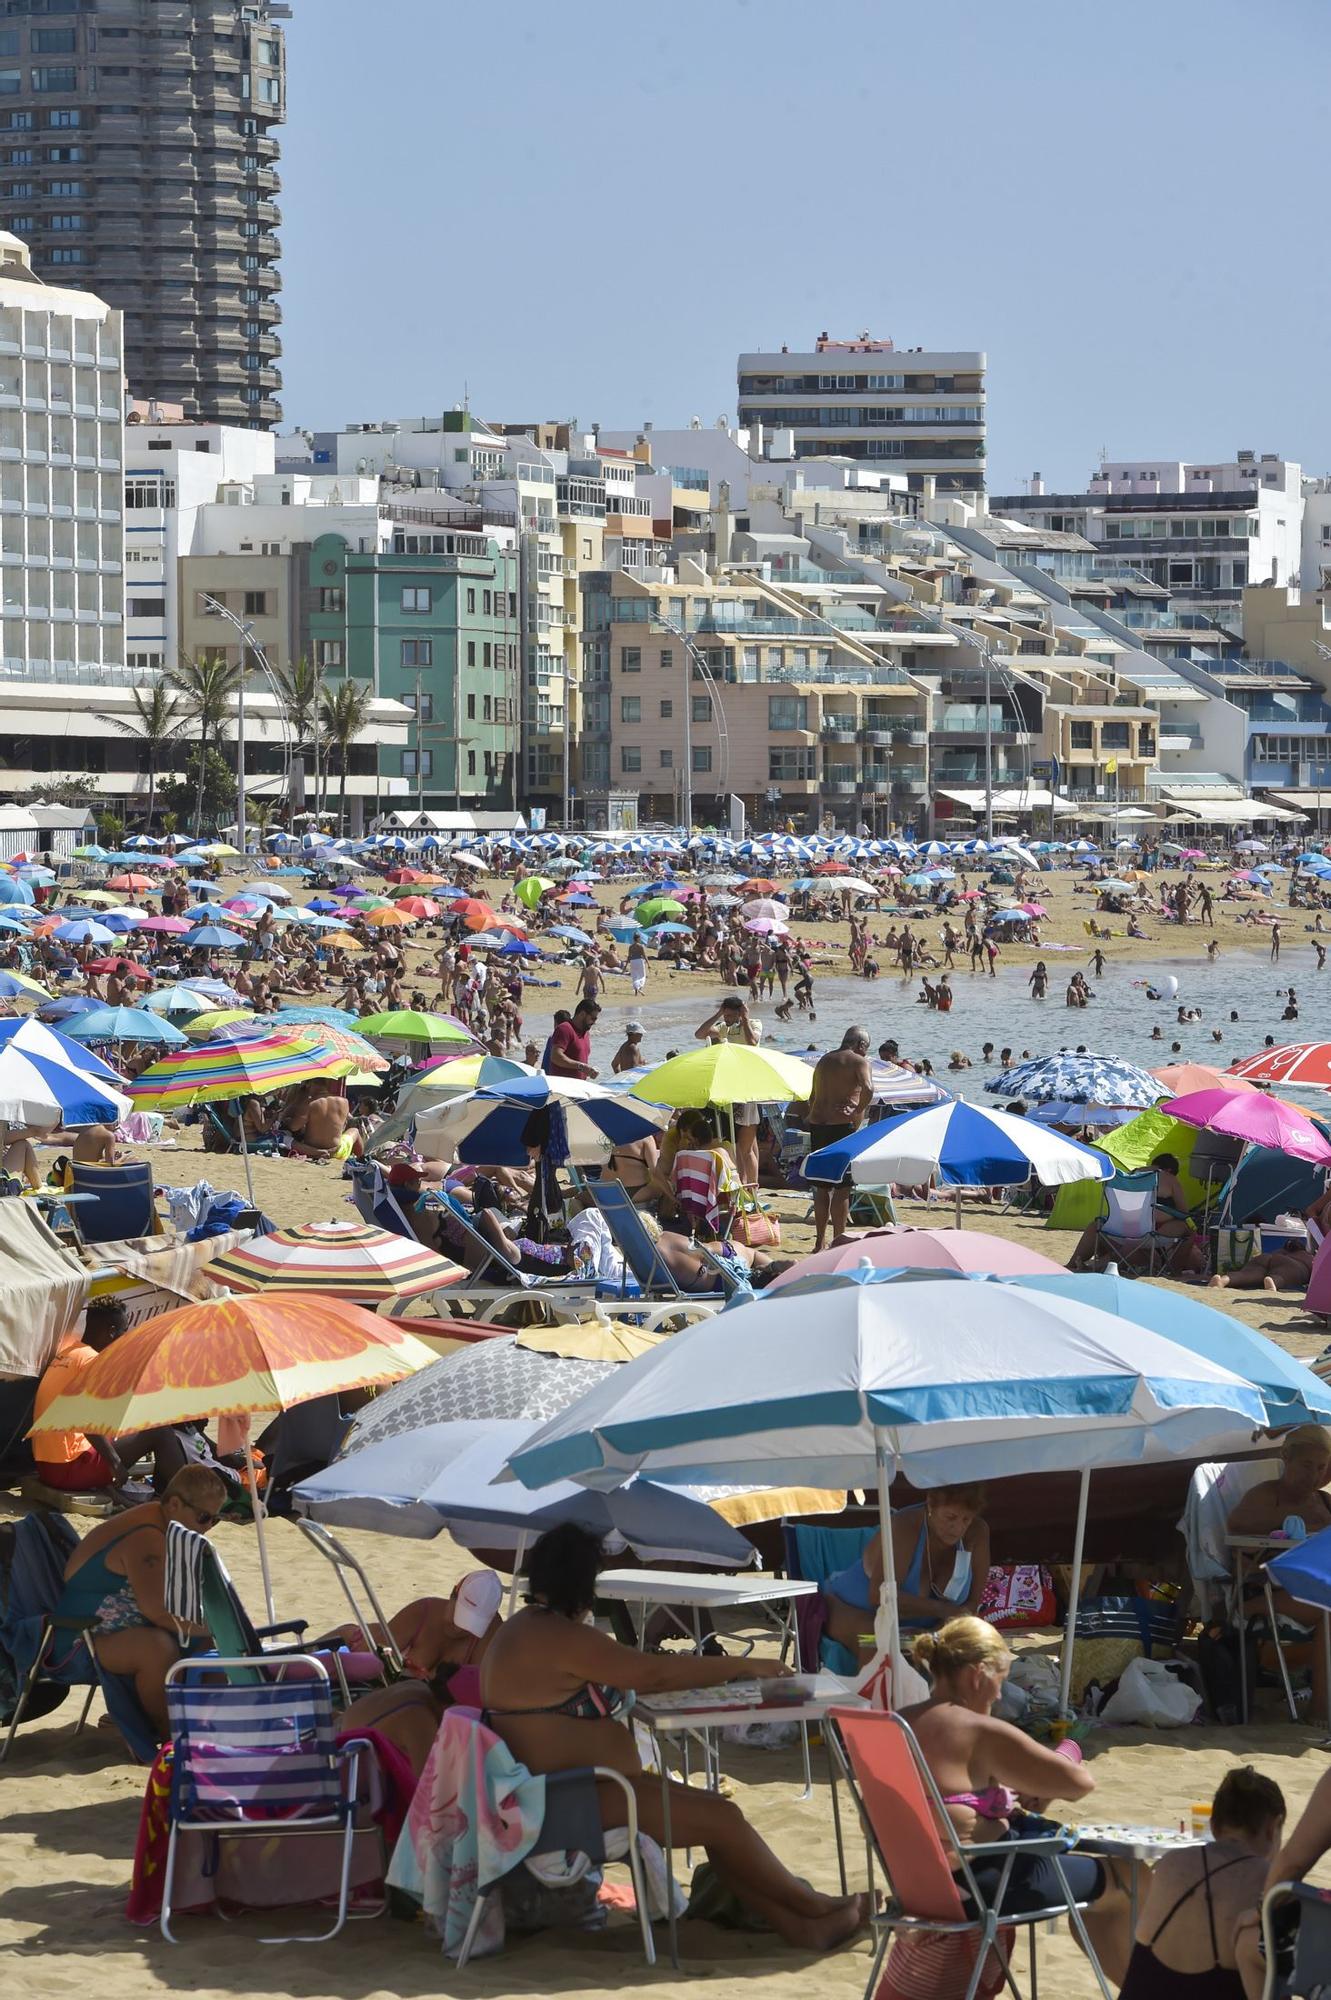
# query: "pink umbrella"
(765, 906)
(1033, 909)
(967, 1250)
(768, 927)
(1255, 1118)
(168, 926)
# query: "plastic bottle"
(1293, 1528)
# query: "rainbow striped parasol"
(220, 1070)
(347, 1260)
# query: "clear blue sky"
(588, 210)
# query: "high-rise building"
(918, 412)
(138, 159)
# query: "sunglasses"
(205, 1520)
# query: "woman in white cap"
(629, 1053)
(442, 1641)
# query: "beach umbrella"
(1075, 1078)
(489, 1126)
(17, 986)
(213, 937)
(270, 890)
(324, 1017)
(509, 1378)
(69, 1008)
(83, 930)
(453, 1077)
(331, 1041)
(1307, 1063)
(13, 889)
(203, 1026)
(390, 917)
(344, 941)
(653, 907)
(235, 1357)
(418, 907)
(660, 931)
(531, 889)
(345, 1260)
(1180, 1078)
(124, 1024)
(901, 1376)
(186, 1001)
(965, 1250)
(726, 1073)
(408, 1024)
(956, 1145)
(516, 947)
(128, 968)
(46, 1079)
(1256, 1119)
(450, 1476)
(759, 926)
(758, 885)
(218, 1072)
(166, 926)
(129, 882)
(759, 907)
(1100, 1117)
(896, 1083)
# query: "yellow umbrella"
(235, 1357)
(204, 1025)
(726, 1073)
(387, 916)
(345, 940)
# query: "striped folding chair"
(257, 1758)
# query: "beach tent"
(1266, 1183)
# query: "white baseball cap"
(477, 1600)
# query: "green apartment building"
(432, 622)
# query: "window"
(331, 598)
(52, 42)
(667, 710)
(21, 121)
(485, 653)
(471, 708)
(68, 254)
(64, 156)
(789, 764)
(471, 599)
(19, 156)
(65, 77)
(630, 757)
(67, 189)
(702, 707)
(64, 222)
(417, 653)
(11, 81)
(630, 659)
(485, 604)
(1115, 736)
(270, 53)
(702, 756)
(270, 91)
(630, 708)
(667, 659)
(787, 711)
(19, 191)
(486, 715)
(418, 597)
(256, 603)
(328, 652)
(8, 41)
(1081, 737)
(147, 607)
(667, 760)
(418, 763)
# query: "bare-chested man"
(842, 1093)
(317, 1127)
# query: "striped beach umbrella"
(345, 1260)
(219, 1070)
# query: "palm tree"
(300, 685)
(157, 719)
(344, 711)
(206, 686)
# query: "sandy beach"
(71, 1805)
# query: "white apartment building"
(867, 399)
(61, 501)
(1203, 532)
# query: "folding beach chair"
(814, 1553)
(255, 1759)
(1125, 1225)
(347, 1566)
(929, 1871)
(44, 1654)
(124, 1203)
(1296, 1941)
(572, 1825)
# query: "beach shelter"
(1032, 1383)
(1131, 1148)
(450, 1476)
(235, 1357)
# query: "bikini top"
(994, 1802)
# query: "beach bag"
(1019, 1594)
(755, 1228)
(1150, 1695)
(1235, 1247)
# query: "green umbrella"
(658, 906)
(405, 1024)
(530, 891)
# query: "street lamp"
(247, 638)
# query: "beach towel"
(476, 1814)
(241, 1874)
(182, 1592)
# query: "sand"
(71, 1805)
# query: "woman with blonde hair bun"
(995, 1783)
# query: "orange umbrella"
(760, 886)
(418, 906)
(130, 882)
(345, 940)
(390, 916)
(235, 1357)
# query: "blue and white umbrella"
(1074, 1078)
(125, 1024)
(183, 1000)
(212, 935)
(47, 1080)
(83, 930)
(450, 1476)
(488, 1127)
(572, 935)
(957, 1145)
(902, 1376)
(14, 890)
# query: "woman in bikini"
(991, 1776)
(556, 1690)
(940, 1555)
(1186, 1944)
(115, 1577)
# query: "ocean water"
(1118, 1021)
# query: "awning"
(1227, 812)
(1306, 799)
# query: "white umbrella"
(905, 1376)
(46, 1079)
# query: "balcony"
(877, 738)
(835, 730)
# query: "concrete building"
(923, 412)
(61, 479)
(1202, 532)
(137, 153)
